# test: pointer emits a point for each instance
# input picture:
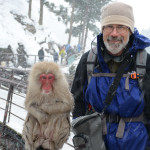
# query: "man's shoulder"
(85, 55)
(82, 65)
(83, 59)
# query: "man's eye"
(110, 27)
(120, 27)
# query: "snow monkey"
(48, 103)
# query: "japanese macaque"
(48, 103)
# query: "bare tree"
(71, 22)
(30, 8)
(85, 38)
(83, 32)
(41, 12)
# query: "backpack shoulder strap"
(91, 60)
(141, 58)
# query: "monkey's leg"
(27, 132)
(63, 131)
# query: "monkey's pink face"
(47, 82)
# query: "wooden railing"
(16, 60)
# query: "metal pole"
(10, 99)
(10, 105)
(7, 105)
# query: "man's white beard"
(115, 48)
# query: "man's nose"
(114, 32)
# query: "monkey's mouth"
(46, 91)
(46, 88)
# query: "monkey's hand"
(38, 113)
(57, 107)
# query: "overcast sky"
(141, 10)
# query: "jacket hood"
(139, 42)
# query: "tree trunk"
(79, 40)
(83, 32)
(41, 12)
(71, 22)
(85, 38)
(30, 9)
(84, 26)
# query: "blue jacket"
(126, 103)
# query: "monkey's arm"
(37, 112)
(57, 107)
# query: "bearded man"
(118, 44)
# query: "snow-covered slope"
(13, 32)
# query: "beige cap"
(117, 13)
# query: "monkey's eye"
(49, 77)
(43, 77)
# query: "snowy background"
(12, 32)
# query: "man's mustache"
(115, 38)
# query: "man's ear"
(130, 33)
